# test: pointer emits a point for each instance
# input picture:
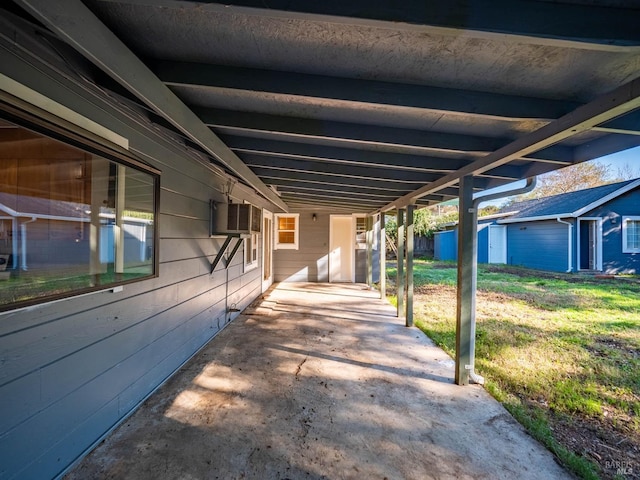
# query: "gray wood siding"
(310, 263)
(540, 245)
(72, 369)
(613, 260)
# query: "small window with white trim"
(631, 234)
(287, 231)
(251, 251)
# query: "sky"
(618, 160)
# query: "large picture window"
(631, 234)
(71, 221)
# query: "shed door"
(497, 244)
(590, 243)
(341, 253)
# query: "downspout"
(570, 243)
(23, 235)
(530, 185)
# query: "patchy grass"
(561, 352)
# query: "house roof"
(362, 106)
(572, 204)
(38, 207)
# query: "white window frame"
(108, 266)
(296, 232)
(251, 245)
(375, 219)
(625, 247)
(360, 245)
(598, 241)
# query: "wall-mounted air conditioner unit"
(234, 219)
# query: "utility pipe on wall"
(570, 243)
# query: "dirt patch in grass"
(567, 277)
(617, 453)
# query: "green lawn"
(561, 352)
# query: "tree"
(627, 172)
(569, 179)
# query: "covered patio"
(319, 381)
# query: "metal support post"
(400, 269)
(467, 269)
(409, 315)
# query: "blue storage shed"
(491, 242)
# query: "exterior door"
(590, 243)
(341, 249)
(497, 244)
(267, 250)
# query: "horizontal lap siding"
(483, 243)
(71, 370)
(445, 245)
(310, 263)
(613, 260)
(540, 245)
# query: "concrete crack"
(300, 367)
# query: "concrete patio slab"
(319, 381)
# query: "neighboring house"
(53, 232)
(597, 229)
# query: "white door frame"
(598, 240)
(267, 249)
(351, 246)
(502, 230)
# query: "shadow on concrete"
(296, 395)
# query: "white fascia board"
(496, 215)
(10, 211)
(577, 213)
(537, 219)
(607, 198)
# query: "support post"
(410, 241)
(382, 252)
(400, 269)
(369, 237)
(466, 293)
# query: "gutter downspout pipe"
(530, 185)
(570, 243)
